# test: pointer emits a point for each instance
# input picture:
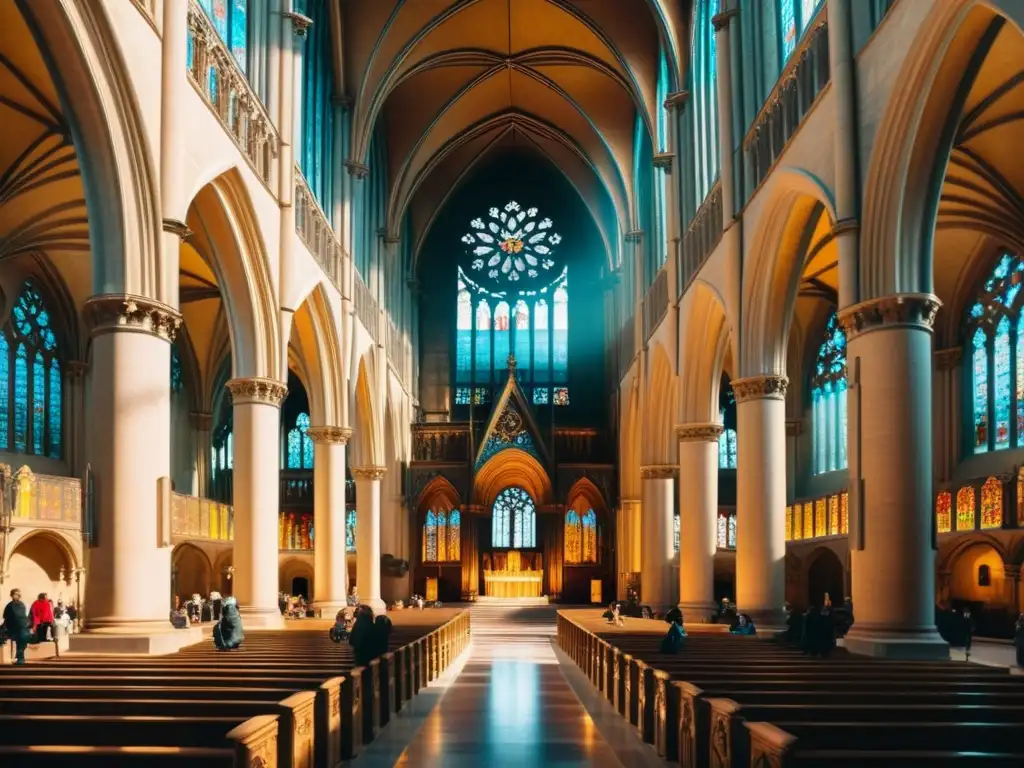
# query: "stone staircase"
(512, 628)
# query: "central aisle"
(510, 705)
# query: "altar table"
(513, 584)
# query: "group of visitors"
(367, 635)
(43, 621)
(293, 606)
(816, 630)
(196, 610)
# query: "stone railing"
(817, 518)
(442, 442)
(655, 303)
(196, 518)
(366, 307)
(296, 488)
(46, 499)
(215, 74)
(627, 345)
(702, 235)
(802, 80)
(315, 231)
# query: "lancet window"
(703, 74)
(441, 532)
(31, 416)
(828, 400)
(727, 413)
(794, 17)
(514, 521)
(299, 445)
(580, 535)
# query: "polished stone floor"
(513, 701)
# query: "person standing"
(42, 618)
(1018, 640)
(16, 625)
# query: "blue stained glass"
(315, 153)
(540, 341)
(501, 336)
(5, 383)
(522, 324)
(1020, 381)
(177, 378)
(21, 399)
(55, 409)
(807, 11)
(1011, 293)
(1002, 384)
(464, 338)
(500, 524)
(978, 310)
(294, 460)
(787, 27)
(239, 31)
(350, 530)
(980, 363)
(483, 340)
(828, 399)
(514, 523)
(540, 395)
(462, 395)
(231, 450)
(560, 358)
(430, 538)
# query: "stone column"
(368, 535)
(627, 528)
(1012, 573)
(761, 497)
(75, 437)
(946, 450)
(130, 560)
(794, 429)
(890, 443)
(330, 569)
(174, 93)
(257, 431)
(657, 537)
(698, 513)
(202, 425)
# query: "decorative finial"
(511, 361)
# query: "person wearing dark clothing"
(826, 631)
(967, 624)
(744, 626)
(381, 635)
(339, 632)
(361, 636)
(674, 616)
(1018, 639)
(811, 632)
(17, 625)
(675, 639)
(42, 618)
(227, 633)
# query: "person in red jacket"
(42, 617)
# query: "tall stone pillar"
(330, 569)
(627, 528)
(761, 497)
(202, 426)
(130, 559)
(657, 537)
(368, 535)
(890, 452)
(469, 549)
(698, 513)
(75, 437)
(257, 435)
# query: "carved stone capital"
(664, 160)
(634, 236)
(721, 20)
(257, 391)
(911, 310)
(179, 228)
(699, 433)
(357, 170)
(77, 369)
(659, 471)
(203, 422)
(948, 359)
(300, 23)
(345, 102)
(330, 435)
(769, 387)
(371, 472)
(676, 100)
(114, 312)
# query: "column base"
(697, 613)
(328, 609)
(261, 618)
(893, 644)
(139, 639)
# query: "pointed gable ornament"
(511, 424)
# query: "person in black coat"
(227, 633)
(381, 635)
(1018, 639)
(361, 636)
(17, 625)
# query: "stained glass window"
(844, 513)
(514, 522)
(828, 398)
(731, 541)
(350, 530)
(464, 337)
(789, 523)
(541, 342)
(965, 509)
(561, 395)
(315, 154)
(833, 515)
(675, 529)
(300, 445)
(661, 204)
(501, 336)
(430, 538)
(454, 535)
(995, 327)
(820, 520)
(943, 512)
(230, 20)
(727, 414)
(798, 524)
(30, 379)
(573, 538)
(540, 395)
(462, 395)
(808, 520)
(992, 504)
(522, 342)
(787, 26)
(512, 244)
(483, 340)
(705, 99)
(723, 532)
(807, 10)
(560, 357)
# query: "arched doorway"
(825, 575)
(191, 573)
(39, 563)
(300, 587)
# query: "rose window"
(512, 243)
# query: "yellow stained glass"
(454, 536)
(808, 520)
(573, 538)
(798, 527)
(992, 504)
(833, 515)
(789, 523)
(844, 513)
(965, 509)
(819, 518)
(944, 511)
(1020, 497)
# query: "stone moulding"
(699, 433)
(768, 387)
(909, 310)
(330, 435)
(110, 313)
(257, 390)
(659, 472)
(368, 473)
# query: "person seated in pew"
(381, 635)
(227, 633)
(675, 639)
(1018, 639)
(339, 632)
(361, 636)
(744, 626)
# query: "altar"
(512, 584)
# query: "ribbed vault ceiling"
(451, 81)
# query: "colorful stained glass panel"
(454, 536)
(590, 537)
(965, 509)
(789, 523)
(5, 383)
(844, 513)
(561, 395)
(833, 515)
(943, 512)
(980, 368)
(55, 404)
(723, 532)
(21, 399)
(992, 504)
(573, 538)
(820, 517)
(1001, 383)
(808, 520)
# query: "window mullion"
(990, 348)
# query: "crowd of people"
(196, 610)
(43, 621)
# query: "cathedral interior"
(524, 310)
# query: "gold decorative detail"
(659, 471)
(330, 435)
(179, 228)
(510, 424)
(112, 312)
(948, 359)
(203, 422)
(721, 21)
(257, 390)
(368, 473)
(914, 310)
(699, 433)
(769, 387)
(300, 23)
